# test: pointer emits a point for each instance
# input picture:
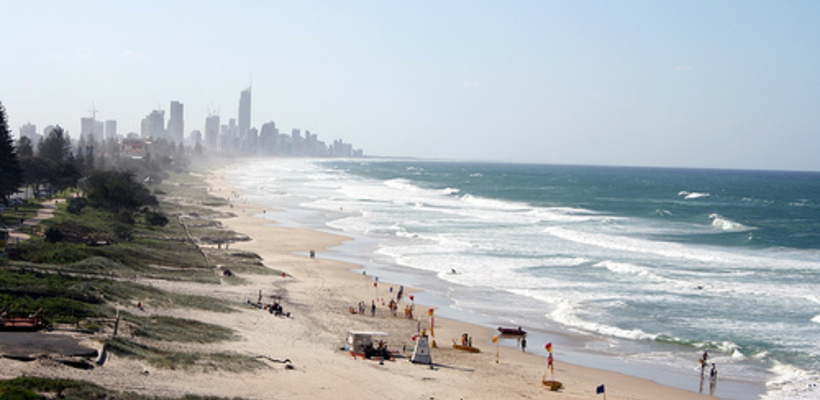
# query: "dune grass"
(24, 388)
(186, 361)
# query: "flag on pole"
(552, 366)
(549, 347)
(495, 340)
(600, 389)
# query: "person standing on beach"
(372, 308)
(713, 380)
(703, 363)
(524, 344)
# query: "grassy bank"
(101, 265)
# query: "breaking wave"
(692, 195)
(727, 225)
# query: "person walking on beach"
(372, 308)
(524, 344)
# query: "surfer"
(453, 271)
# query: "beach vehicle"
(361, 343)
(512, 331)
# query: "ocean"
(637, 270)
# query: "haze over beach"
(699, 84)
(635, 183)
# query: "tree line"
(106, 179)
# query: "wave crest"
(692, 195)
(727, 225)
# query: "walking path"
(45, 212)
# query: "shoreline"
(580, 381)
(302, 354)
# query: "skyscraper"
(212, 132)
(153, 126)
(244, 112)
(176, 122)
(87, 125)
(111, 129)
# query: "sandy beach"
(304, 351)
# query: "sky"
(702, 84)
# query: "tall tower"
(176, 122)
(212, 132)
(244, 112)
(111, 129)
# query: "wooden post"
(116, 325)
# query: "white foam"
(692, 195)
(727, 225)
(625, 268)
(566, 313)
(792, 383)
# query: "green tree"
(56, 146)
(11, 174)
(117, 191)
(24, 147)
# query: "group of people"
(704, 362)
(362, 308)
(713, 373)
(466, 340)
(393, 306)
(274, 308)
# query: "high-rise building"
(244, 112)
(196, 137)
(176, 122)
(153, 126)
(98, 132)
(29, 130)
(87, 125)
(212, 132)
(111, 129)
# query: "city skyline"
(697, 84)
(241, 138)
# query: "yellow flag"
(495, 339)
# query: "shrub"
(76, 205)
(123, 231)
(154, 218)
(54, 235)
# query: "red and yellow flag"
(549, 347)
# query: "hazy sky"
(733, 84)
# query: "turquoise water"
(654, 265)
